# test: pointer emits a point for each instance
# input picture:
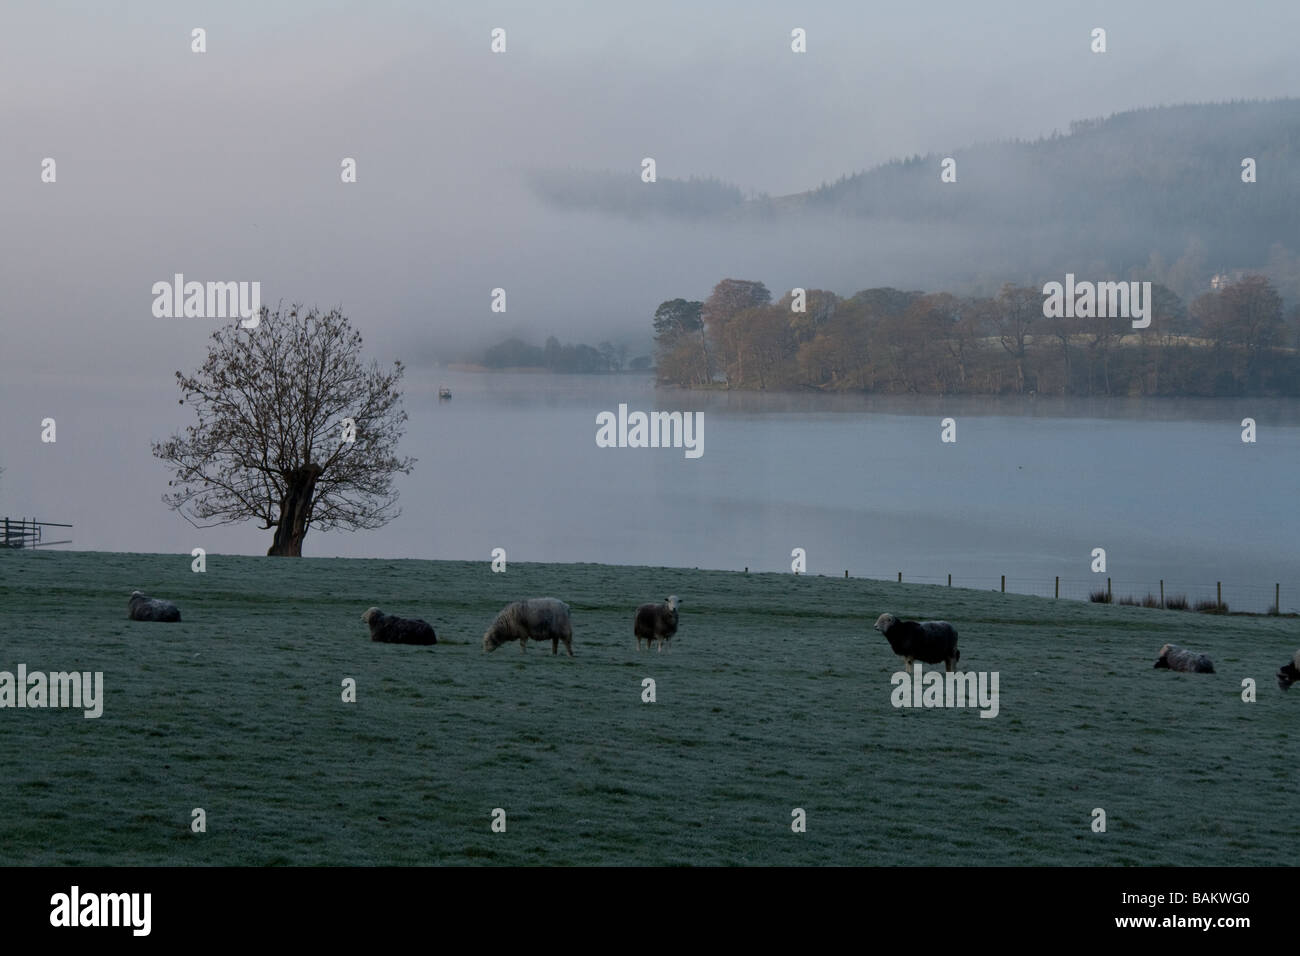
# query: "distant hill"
(1172, 171)
(1106, 196)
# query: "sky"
(225, 165)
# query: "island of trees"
(569, 357)
(1233, 339)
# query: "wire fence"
(1254, 598)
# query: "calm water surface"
(1029, 489)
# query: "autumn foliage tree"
(720, 313)
(894, 341)
(293, 430)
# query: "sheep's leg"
(907, 664)
(568, 646)
(555, 646)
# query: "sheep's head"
(370, 613)
(1288, 674)
(671, 602)
(885, 622)
(1163, 660)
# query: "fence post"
(900, 577)
(1004, 584)
(949, 579)
(1058, 586)
(1162, 594)
(1277, 598)
(846, 573)
(1108, 594)
(1218, 593)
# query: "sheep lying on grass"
(397, 630)
(537, 619)
(1175, 658)
(141, 607)
(926, 641)
(656, 622)
(1289, 672)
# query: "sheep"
(1175, 658)
(141, 607)
(656, 622)
(926, 641)
(536, 619)
(1289, 672)
(397, 630)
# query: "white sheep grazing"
(656, 622)
(536, 619)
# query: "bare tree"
(292, 431)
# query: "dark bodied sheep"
(536, 619)
(927, 641)
(1289, 672)
(1175, 658)
(387, 629)
(141, 607)
(656, 622)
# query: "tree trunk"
(295, 512)
(704, 349)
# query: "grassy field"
(776, 696)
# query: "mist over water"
(863, 484)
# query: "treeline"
(572, 358)
(1234, 340)
(626, 195)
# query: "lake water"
(1028, 490)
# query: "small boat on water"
(444, 393)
